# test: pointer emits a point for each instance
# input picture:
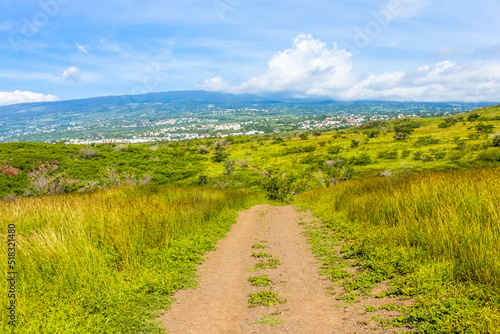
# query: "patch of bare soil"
(221, 303)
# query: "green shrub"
(444, 125)
(389, 154)
(282, 188)
(334, 149)
(360, 159)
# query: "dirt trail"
(220, 305)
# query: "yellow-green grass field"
(436, 235)
(108, 262)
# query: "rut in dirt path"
(220, 304)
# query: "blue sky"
(404, 50)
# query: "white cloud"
(215, 84)
(25, 96)
(445, 81)
(81, 48)
(72, 73)
(310, 68)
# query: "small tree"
(220, 153)
(282, 188)
(484, 128)
(89, 152)
(316, 133)
(304, 135)
(229, 166)
(495, 139)
(403, 131)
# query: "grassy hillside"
(107, 262)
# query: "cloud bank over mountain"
(309, 68)
(17, 96)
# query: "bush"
(361, 159)
(388, 154)
(229, 166)
(372, 133)
(334, 149)
(282, 188)
(427, 140)
(355, 143)
(417, 155)
(492, 156)
(473, 117)
(443, 125)
(89, 152)
(484, 128)
(495, 139)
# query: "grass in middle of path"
(271, 263)
(260, 280)
(265, 298)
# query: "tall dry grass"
(449, 216)
(102, 262)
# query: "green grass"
(260, 280)
(261, 255)
(435, 235)
(108, 262)
(269, 320)
(259, 246)
(271, 263)
(265, 298)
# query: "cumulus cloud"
(215, 84)
(310, 68)
(71, 73)
(445, 81)
(81, 48)
(24, 96)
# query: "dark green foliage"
(220, 153)
(372, 133)
(372, 125)
(427, 140)
(417, 155)
(304, 136)
(334, 149)
(355, 143)
(443, 125)
(495, 140)
(472, 117)
(362, 159)
(473, 136)
(167, 164)
(298, 149)
(283, 187)
(484, 128)
(389, 154)
(490, 155)
(404, 129)
(316, 133)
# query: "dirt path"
(220, 305)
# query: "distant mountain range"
(137, 115)
(181, 98)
